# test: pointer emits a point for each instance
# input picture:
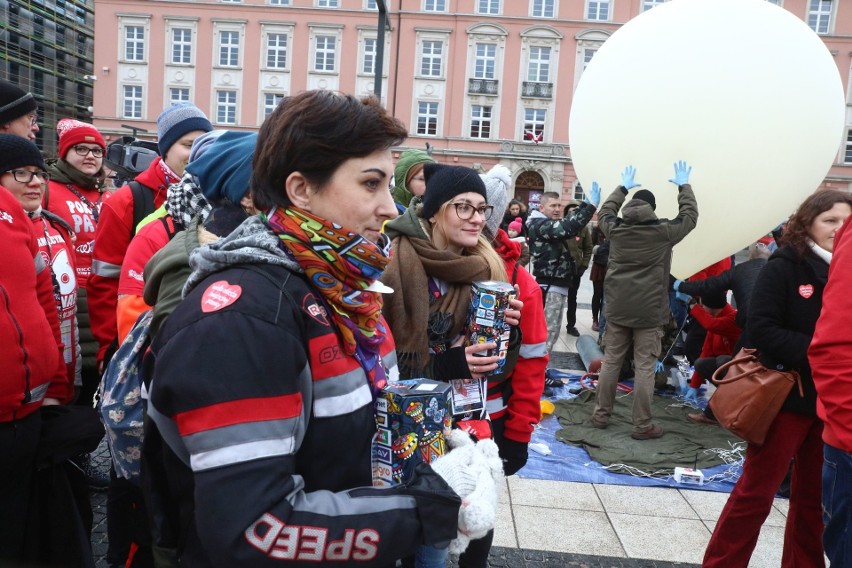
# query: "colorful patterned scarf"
(341, 265)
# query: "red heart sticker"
(219, 295)
(806, 291)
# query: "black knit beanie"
(647, 197)
(14, 102)
(16, 152)
(445, 182)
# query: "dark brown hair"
(314, 133)
(796, 232)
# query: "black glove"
(513, 454)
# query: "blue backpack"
(121, 402)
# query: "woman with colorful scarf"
(266, 375)
(439, 250)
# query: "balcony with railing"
(483, 87)
(536, 90)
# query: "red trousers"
(791, 436)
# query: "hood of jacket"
(407, 160)
(509, 250)
(535, 214)
(250, 243)
(408, 224)
(638, 212)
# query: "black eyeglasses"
(83, 151)
(465, 211)
(26, 176)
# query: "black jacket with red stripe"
(269, 424)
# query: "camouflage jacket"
(552, 262)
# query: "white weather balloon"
(742, 90)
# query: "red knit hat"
(73, 132)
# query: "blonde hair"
(483, 248)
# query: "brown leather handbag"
(750, 396)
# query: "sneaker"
(654, 431)
(701, 418)
(572, 331)
(97, 478)
(595, 326)
(597, 423)
(552, 382)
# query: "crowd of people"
(285, 278)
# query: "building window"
(134, 43)
(324, 53)
(226, 107)
(229, 48)
(543, 8)
(648, 4)
(435, 5)
(368, 65)
(534, 124)
(485, 60)
(276, 51)
(270, 101)
(372, 5)
(538, 70)
(430, 58)
(598, 10)
(776, 2)
(488, 7)
(480, 121)
(328, 4)
(847, 159)
(819, 15)
(132, 101)
(587, 56)
(181, 45)
(279, 2)
(427, 119)
(178, 95)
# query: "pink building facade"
(479, 81)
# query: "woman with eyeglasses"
(439, 250)
(75, 194)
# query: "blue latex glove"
(659, 367)
(676, 285)
(691, 395)
(682, 172)
(685, 298)
(594, 196)
(627, 178)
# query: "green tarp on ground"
(684, 444)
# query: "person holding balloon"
(636, 290)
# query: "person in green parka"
(408, 177)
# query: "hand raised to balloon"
(627, 178)
(594, 196)
(682, 172)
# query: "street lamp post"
(380, 48)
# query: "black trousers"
(18, 446)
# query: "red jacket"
(112, 238)
(30, 354)
(527, 379)
(713, 270)
(722, 335)
(830, 352)
(79, 216)
(56, 247)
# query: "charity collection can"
(486, 323)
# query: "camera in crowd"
(128, 157)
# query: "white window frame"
(428, 58)
(136, 98)
(227, 106)
(279, 2)
(325, 52)
(435, 5)
(819, 19)
(535, 121)
(538, 67)
(488, 7)
(544, 8)
(328, 3)
(228, 48)
(270, 101)
(428, 112)
(180, 46)
(277, 51)
(134, 46)
(180, 99)
(483, 59)
(599, 10)
(371, 5)
(478, 115)
(368, 56)
(648, 4)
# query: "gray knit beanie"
(497, 181)
(176, 121)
